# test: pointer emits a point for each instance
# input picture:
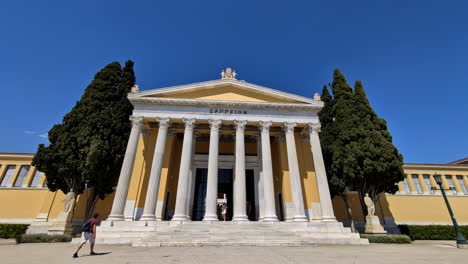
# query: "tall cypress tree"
(379, 161)
(87, 148)
(327, 137)
(358, 150)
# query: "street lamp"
(461, 241)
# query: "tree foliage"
(358, 149)
(87, 148)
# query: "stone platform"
(195, 234)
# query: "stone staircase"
(190, 234)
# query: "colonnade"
(268, 212)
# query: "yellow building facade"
(193, 147)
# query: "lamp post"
(461, 241)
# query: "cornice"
(434, 166)
(316, 105)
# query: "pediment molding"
(297, 99)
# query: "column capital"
(280, 138)
(240, 125)
(171, 133)
(315, 127)
(289, 127)
(189, 122)
(265, 126)
(196, 133)
(144, 133)
(136, 120)
(164, 122)
(305, 138)
(215, 123)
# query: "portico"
(206, 117)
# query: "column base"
(240, 218)
(210, 218)
(270, 219)
(328, 219)
(181, 218)
(115, 218)
(148, 217)
(300, 218)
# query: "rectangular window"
(450, 183)
(36, 178)
(9, 173)
(21, 176)
(427, 182)
(416, 183)
(405, 184)
(462, 184)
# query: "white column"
(320, 174)
(149, 212)
(192, 176)
(295, 177)
(257, 195)
(260, 190)
(240, 195)
(120, 197)
(269, 191)
(180, 213)
(212, 180)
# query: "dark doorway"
(224, 186)
(280, 201)
(200, 194)
(250, 188)
(166, 206)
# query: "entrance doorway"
(225, 186)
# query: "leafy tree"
(86, 150)
(358, 150)
(379, 160)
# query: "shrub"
(42, 238)
(432, 232)
(12, 230)
(388, 239)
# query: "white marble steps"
(195, 234)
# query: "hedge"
(388, 239)
(12, 230)
(42, 238)
(432, 232)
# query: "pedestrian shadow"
(96, 254)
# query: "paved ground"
(426, 252)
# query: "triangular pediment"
(224, 90)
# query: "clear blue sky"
(411, 55)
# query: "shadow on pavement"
(96, 254)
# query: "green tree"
(86, 150)
(358, 150)
(379, 160)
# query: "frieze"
(227, 111)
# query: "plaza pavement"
(419, 252)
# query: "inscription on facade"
(228, 111)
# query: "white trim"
(16, 221)
(315, 106)
(16, 155)
(217, 83)
(24, 188)
(430, 223)
(430, 166)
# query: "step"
(283, 242)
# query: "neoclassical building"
(257, 148)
